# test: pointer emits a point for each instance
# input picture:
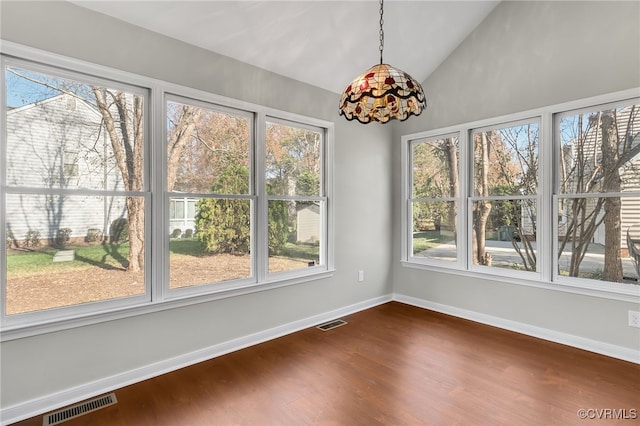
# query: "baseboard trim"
(614, 351)
(60, 399)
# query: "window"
(182, 216)
(597, 196)
(435, 191)
(217, 197)
(550, 207)
(297, 204)
(75, 197)
(70, 168)
(503, 205)
(208, 161)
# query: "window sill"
(631, 294)
(74, 321)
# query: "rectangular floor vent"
(331, 324)
(78, 410)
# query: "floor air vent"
(331, 324)
(78, 410)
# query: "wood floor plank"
(391, 365)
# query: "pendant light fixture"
(382, 93)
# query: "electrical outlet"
(634, 319)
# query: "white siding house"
(59, 144)
(308, 223)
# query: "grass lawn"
(301, 251)
(28, 262)
(114, 256)
(35, 282)
(427, 239)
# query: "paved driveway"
(504, 255)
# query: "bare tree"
(525, 181)
(182, 130)
(122, 117)
(591, 163)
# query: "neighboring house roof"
(44, 102)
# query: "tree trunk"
(128, 149)
(611, 183)
(135, 206)
(452, 162)
(484, 206)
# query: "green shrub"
(94, 235)
(119, 230)
(308, 183)
(32, 239)
(188, 233)
(278, 229)
(63, 236)
(176, 233)
(224, 225)
(10, 238)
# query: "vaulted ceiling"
(323, 43)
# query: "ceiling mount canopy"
(382, 93)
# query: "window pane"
(220, 248)
(176, 209)
(182, 223)
(505, 234)
(293, 160)
(68, 250)
(506, 161)
(600, 151)
(191, 208)
(172, 209)
(295, 231)
(56, 137)
(434, 230)
(435, 168)
(208, 150)
(595, 245)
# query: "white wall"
(58, 363)
(527, 55)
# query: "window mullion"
(546, 224)
(405, 206)
(159, 198)
(464, 257)
(3, 196)
(260, 223)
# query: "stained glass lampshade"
(382, 93)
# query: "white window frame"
(322, 198)
(461, 225)
(557, 144)
(63, 313)
(546, 200)
(471, 198)
(157, 296)
(203, 100)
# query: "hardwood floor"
(394, 365)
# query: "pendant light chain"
(381, 30)
(382, 92)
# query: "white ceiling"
(323, 43)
